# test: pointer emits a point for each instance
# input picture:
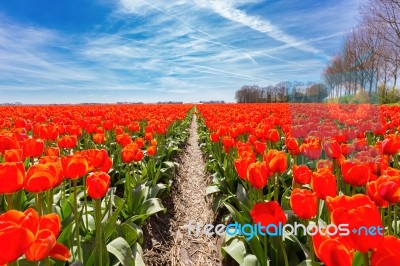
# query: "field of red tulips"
(77, 183)
(331, 170)
(308, 184)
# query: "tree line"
(286, 91)
(368, 63)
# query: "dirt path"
(171, 243)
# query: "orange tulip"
(257, 174)
(99, 138)
(45, 243)
(74, 166)
(52, 151)
(11, 177)
(97, 159)
(276, 161)
(42, 177)
(97, 184)
(151, 150)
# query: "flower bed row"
(317, 166)
(77, 183)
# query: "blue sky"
(185, 50)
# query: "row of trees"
(286, 91)
(369, 62)
(370, 57)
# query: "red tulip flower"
(302, 174)
(33, 147)
(356, 173)
(387, 252)
(42, 177)
(12, 177)
(323, 182)
(258, 174)
(268, 213)
(276, 161)
(13, 155)
(74, 166)
(358, 211)
(17, 233)
(304, 203)
(97, 184)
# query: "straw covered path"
(168, 241)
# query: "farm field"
(290, 184)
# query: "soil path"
(171, 243)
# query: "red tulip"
(276, 161)
(268, 213)
(301, 174)
(391, 144)
(214, 137)
(304, 203)
(42, 177)
(332, 148)
(241, 166)
(373, 192)
(74, 166)
(33, 147)
(99, 138)
(358, 211)
(67, 142)
(52, 151)
(273, 135)
(14, 155)
(356, 173)
(389, 188)
(97, 160)
(97, 184)
(387, 252)
(259, 147)
(151, 151)
(45, 243)
(257, 174)
(323, 182)
(332, 252)
(17, 233)
(12, 177)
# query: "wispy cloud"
(161, 50)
